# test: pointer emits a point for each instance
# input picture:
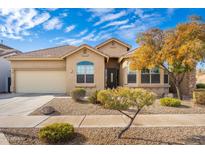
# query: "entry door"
(112, 78)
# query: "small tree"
(122, 99)
(177, 51)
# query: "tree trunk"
(129, 124)
(179, 95)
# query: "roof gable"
(88, 47)
(110, 40)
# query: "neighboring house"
(5, 68)
(61, 69)
(200, 76)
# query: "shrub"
(200, 86)
(123, 98)
(199, 96)
(56, 133)
(78, 94)
(104, 95)
(93, 97)
(167, 101)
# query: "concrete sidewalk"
(81, 121)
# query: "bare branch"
(125, 114)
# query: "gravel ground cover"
(67, 106)
(172, 135)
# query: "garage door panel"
(41, 81)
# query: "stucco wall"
(159, 88)
(99, 68)
(113, 50)
(38, 64)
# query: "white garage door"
(40, 81)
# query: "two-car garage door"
(40, 81)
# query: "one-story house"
(5, 68)
(61, 69)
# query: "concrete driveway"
(21, 104)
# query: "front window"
(85, 72)
(131, 76)
(150, 76)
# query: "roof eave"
(103, 43)
(31, 58)
(82, 46)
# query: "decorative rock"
(47, 110)
(3, 140)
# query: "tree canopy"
(176, 50)
(180, 48)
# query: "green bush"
(93, 97)
(167, 101)
(56, 133)
(78, 94)
(200, 86)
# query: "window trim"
(85, 74)
(129, 72)
(150, 73)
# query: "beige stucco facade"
(159, 88)
(61, 73)
(113, 49)
(42, 72)
(99, 69)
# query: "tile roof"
(55, 52)
(6, 51)
(60, 51)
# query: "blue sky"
(31, 29)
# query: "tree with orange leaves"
(177, 50)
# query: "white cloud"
(70, 28)
(139, 12)
(143, 15)
(77, 41)
(82, 33)
(17, 22)
(100, 11)
(109, 17)
(127, 26)
(53, 23)
(56, 39)
(64, 14)
(52, 9)
(116, 23)
(144, 20)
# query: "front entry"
(112, 77)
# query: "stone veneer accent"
(187, 85)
